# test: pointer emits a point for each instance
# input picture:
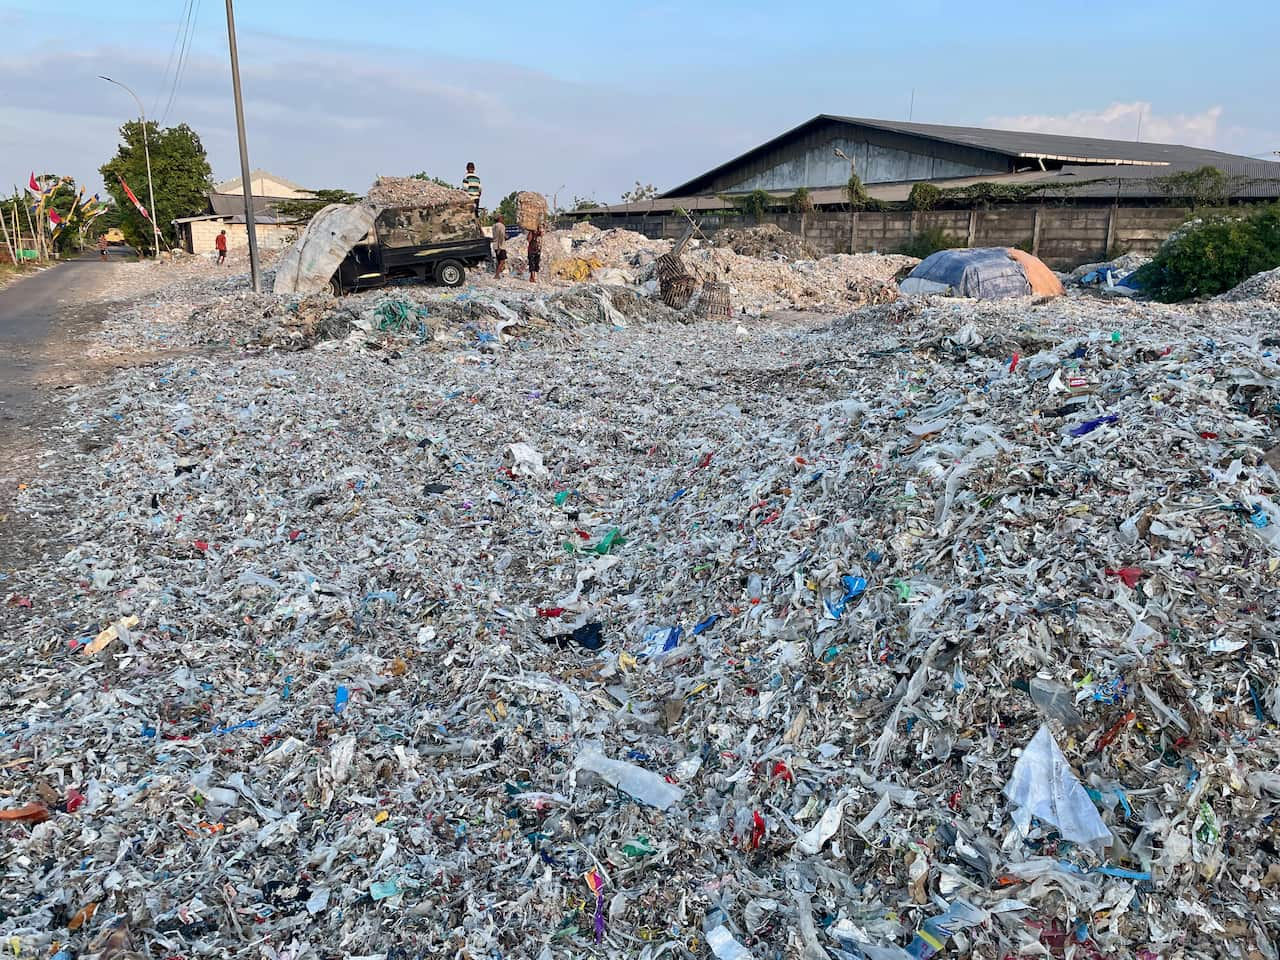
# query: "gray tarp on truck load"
(308, 265)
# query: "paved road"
(35, 314)
(38, 316)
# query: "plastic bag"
(1044, 786)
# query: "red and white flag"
(34, 185)
(54, 218)
(136, 202)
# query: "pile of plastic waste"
(945, 628)
(1261, 286)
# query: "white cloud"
(1120, 121)
(330, 118)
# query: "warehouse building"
(818, 155)
(1070, 198)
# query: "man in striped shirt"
(471, 184)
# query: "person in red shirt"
(220, 244)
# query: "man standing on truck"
(499, 246)
(471, 184)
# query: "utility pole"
(146, 149)
(249, 225)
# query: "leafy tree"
(180, 171)
(304, 210)
(423, 175)
(755, 204)
(640, 192)
(584, 203)
(1211, 256)
(508, 208)
(856, 193)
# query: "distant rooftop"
(231, 186)
(1040, 148)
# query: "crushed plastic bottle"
(1055, 701)
(642, 784)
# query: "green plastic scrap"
(1208, 831)
(384, 889)
(611, 539)
(639, 847)
(394, 314)
(903, 588)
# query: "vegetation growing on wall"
(924, 196)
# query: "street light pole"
(249, 225)
(146, 149)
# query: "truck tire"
(335, 286)
(451, 273)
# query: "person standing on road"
(471, 184)
(220, 244)
(102, 246)
(499, 246)
(535, 254)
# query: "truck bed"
(468, 251)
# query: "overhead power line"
(173, 49)
(184, 57)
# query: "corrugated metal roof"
(1255, 180)
(1018, 143)
(1010, 143)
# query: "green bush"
(1213, 255)
(755, 204)
(930, 241)
(924, 196)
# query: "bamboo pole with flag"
(134, 200)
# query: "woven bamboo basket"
(714, 304)
(678, 291)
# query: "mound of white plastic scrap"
(412, 192)
(1261, 286)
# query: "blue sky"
(587, 98)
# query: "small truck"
(429, 244)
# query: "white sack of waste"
(308, 265)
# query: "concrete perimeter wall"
(1063, 237)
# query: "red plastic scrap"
(782, 771)
(1128, 575)
(1106, 739)
(550, 613)
(757, 830)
